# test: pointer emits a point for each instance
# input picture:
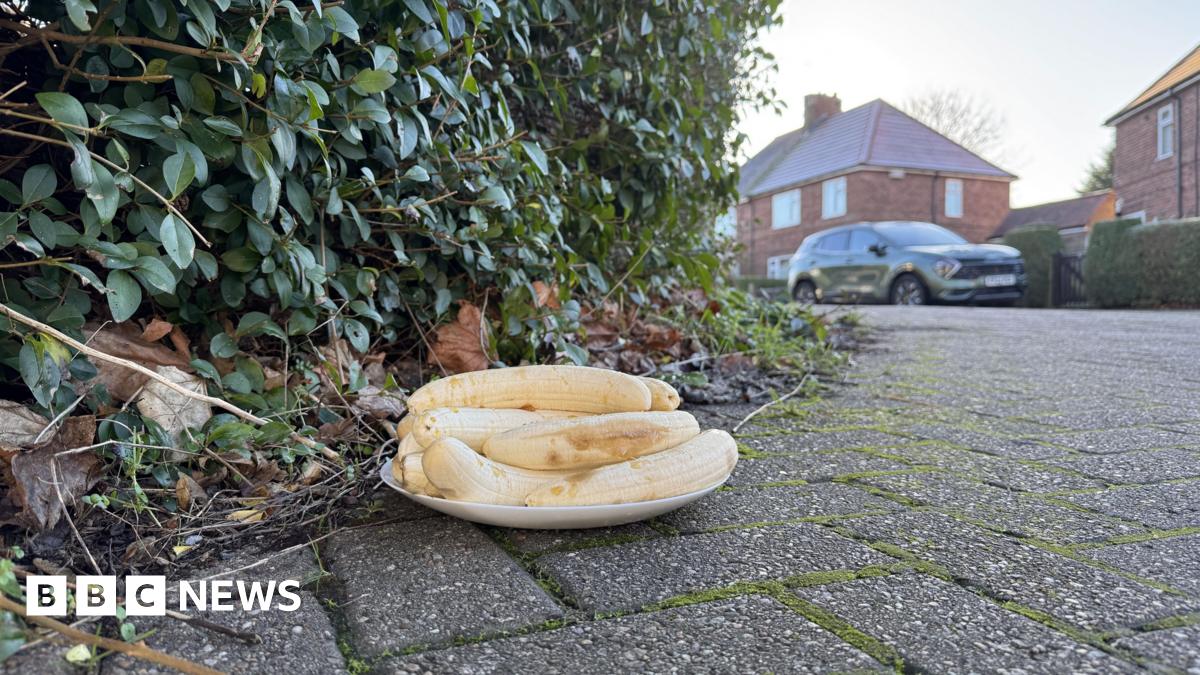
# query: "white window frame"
(954, 198)
(781, 265)
(1166, 131)
(781, 216)
(833, 198)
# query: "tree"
(971, 122)
(1100, 173)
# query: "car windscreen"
(836, 241)
(918, 234)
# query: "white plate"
(993, 280)
(548, 517)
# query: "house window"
(833, 197)
(785, 209)
(777, 266)
(1166, 131)
(954, 198)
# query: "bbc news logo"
(46, 595)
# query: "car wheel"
(805, 293)
(908, 290)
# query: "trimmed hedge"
(1130, 264)
(1109, 269)
(1037, 244)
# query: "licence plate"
(992, 280)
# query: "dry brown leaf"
(379, 404)
(460, 345)
(545, 296)
(187, 491)
(157, 330)
(19, 425)
(173, 411)
(124, 340)
(33, 491)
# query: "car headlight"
(946, 267)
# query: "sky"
(1053, 69)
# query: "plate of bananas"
(554, 447)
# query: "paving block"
(429, 581)
(630, 576)
(1174, 561)
(810, 467)
(1136, 466)
(938, 627)
(1175, 647)
(742, 634)
(1165, 506)
(774, 504)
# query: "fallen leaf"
(460, 345)
(545, 296)
(124, 340)
(187, 491)
(378, 403)
(312, 473)
(247, 515)
(33, 471)
(180, 550)
(157, 330)
(174, 411)
(19, 425)
(79, 654)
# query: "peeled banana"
(571, 388)
(586, 442)
(408, 446)
(412, 476)
(473, 426)
(405, 426)
(462, 474)
(694, 465)
(662, 395)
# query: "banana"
(412, 476)
(662, 395)
(694, 465)
(408, 446)
(405, 426)
(473, 426)
(462, 474)
(586, 442)
(571, 388)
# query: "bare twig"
(120, 40)
(803, 381)
(67, 514)
(134, 649)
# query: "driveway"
(989, 490)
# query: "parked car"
(904, 263)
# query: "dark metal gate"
(1067, 288)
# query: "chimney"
(819, 107)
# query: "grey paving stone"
(1174, 561)
(1176, 647)
(1012, 511)
(1111, 417)
(824, 440)
(630, 576)
(995, 470)
(429, 581)
(1009, 570)
(743, 634)
(388, 504)
(47, 658)
(303, 641)
(813, 467)
(1165, 506)
(1123, 440)
(538, 541)
(772, 505)
(1016, 448)
(1137, 466)
(940, 628)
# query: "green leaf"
(223, 125)
(77, 11)
(38, 183)
(342, 22)
(372, 81)
(177, 241)
(496, 195)
(241, 259)
(103, 193)
(357, 334)
(63, 108)
(535, 154)
(443, 301)
(223, 346)
(417, 174)
(156, 274)
(124, 295)
(178, 172)
(419, 8)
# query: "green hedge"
(1130, 264)
(1110, 270)
(1037, 244)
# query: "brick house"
(1073, 217)
(1158, 143)
(870, 163)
